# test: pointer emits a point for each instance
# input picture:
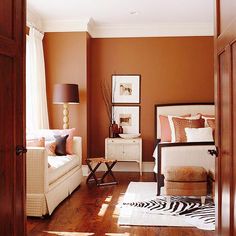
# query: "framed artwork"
(126, 88)
(128, 117)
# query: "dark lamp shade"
(66, 93)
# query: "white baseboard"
(123, 167)
(85, 170)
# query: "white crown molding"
(33, 19)
(66, 25)
(151, 30)
(121, 31)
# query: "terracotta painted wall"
(66, 56)
(173, 70)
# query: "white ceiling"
(150, 15)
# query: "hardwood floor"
(92, 210)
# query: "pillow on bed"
(199, 134)
(172, 128)
(165, 127)
(180, 124)
(206, 118)
(212, 124)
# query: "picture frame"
(126, 89)
(128, 117)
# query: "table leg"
(92, 173)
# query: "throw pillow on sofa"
(50, 147)
(50, 134)
(37, 142)
(61, 145)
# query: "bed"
(177, 153)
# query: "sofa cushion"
(185, 174)
(60, 165)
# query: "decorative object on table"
(129, 136)
(114, 130)
(128, 117)
(126, 88)
(121, 130)
(66, 94)
(98, 161)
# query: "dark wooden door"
(12, 102)
(225, 71)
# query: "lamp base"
(66, 116)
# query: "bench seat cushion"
(185, 188)
(185, 174)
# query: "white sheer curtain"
(36, 98)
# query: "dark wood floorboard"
(92, 209)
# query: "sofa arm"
(77, 147)
(36, 170)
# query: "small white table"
(124, 150)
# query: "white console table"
(124, 150)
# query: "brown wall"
(66, 56)
(173, 70)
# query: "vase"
(110, 131)
(121, 131)
(113, 130)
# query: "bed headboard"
(180, 109)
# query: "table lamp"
(66, 94)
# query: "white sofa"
(48, 185)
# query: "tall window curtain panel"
(36, 98)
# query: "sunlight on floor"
(68, 233)
(83, 234)
(116, 211)
(117, 234)
(108, 199)
(103, 209)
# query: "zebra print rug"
(141, 206)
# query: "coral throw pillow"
(50, 147)
(181, 124)
(40, 142)
(165, 127)
(69, 141)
